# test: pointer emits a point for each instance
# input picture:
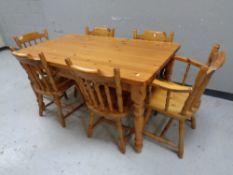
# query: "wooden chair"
(103, 96)
(100, 31)
(45, 83)
(154, 36)
(29, 39)
(181, 102)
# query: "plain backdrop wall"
(197, 24)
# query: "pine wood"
(171, 86)
(139, 61)
(161, 140)
(147, 115)
(151, 35)
(103, 96)
(193, 122)
(29, 39)
(166, 73)
(91, 124)
(100, 31)
(167, 126)
(45, 82)
(138, 96)
(181, 102)
(154, 36)
(181, 138)
(106, 53)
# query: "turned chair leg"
(181, 138)
(60, 112)
(121, 136)
(193, 122)
(91, 124)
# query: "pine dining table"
(139, 62)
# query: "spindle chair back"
(32, 38)
(103, 95)
(100, 31)
(45, 82)
(154, 36)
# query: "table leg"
(169, 70)
(138, 95)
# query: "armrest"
(171, 86)
(188, 60)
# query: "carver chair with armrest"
(181, 102)
(45, 83)
(104, 97)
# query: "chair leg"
(193, 122)
(121, 136)
(164, 131)
(40, 104)
(60, 112)
(91, 124)
(39, 99)
(181, 138)
(148, 115)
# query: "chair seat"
(63, 83)
(177, 101)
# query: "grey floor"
(30, 144)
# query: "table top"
(138, 60)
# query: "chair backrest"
(154, 36)
(202, 79)
(39, 73)
(100, 31)
(29, 39)
(101, 93)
